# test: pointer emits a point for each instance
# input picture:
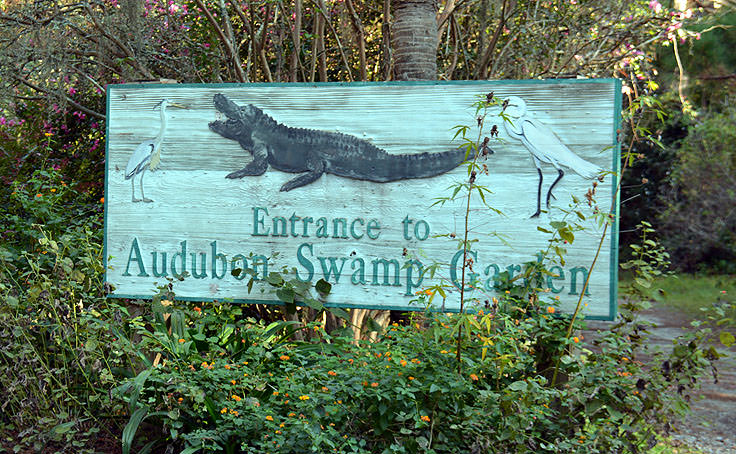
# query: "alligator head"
(239, 123)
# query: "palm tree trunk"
(414, 39)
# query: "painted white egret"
(544, 146)
(147, 155)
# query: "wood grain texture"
(193, 201)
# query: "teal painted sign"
(339, 182)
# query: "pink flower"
(655, 6)
(72, 91)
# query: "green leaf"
(63, 428)
(340, 313)
(285, 294)
(323, 287)
(519, 385)
(274, 278)
(727, 338)
(132, 427)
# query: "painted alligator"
(315, 152)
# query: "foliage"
(54, 319)
(700, 223)
(238, 386)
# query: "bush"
(699, 224)
(234, 385)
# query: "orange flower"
(233, 381)
(403, 362)
(374, 385)
(332, 373)
(102, 200)
(197, 309)
(224, 410)
(550, 310)
(227, 366)
(325, 389)
(181, 341)
(473, 377)
(269, 418)
(275, 393)
(425, 418)
(236, 398)
(291, 415)
(576, 339)
(411, 378)
(284, 357)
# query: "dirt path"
(711, 426)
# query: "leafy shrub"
(54, 318)
(699, 224)
(235, 385)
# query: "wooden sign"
(339, 182)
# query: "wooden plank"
(194, 202)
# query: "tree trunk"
(414, 39)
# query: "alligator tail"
(419, 165)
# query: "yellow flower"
(275, 393)
(233, 381)
(269, 418)
(550, 310)
(576, 339)
(403, 362)
(227, 366)
(291, 415)
(236, 398)
(304, 397)
(282, 424)
(425, 418)
(444, 352)
(224, 410)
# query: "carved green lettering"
(352, 228)
(215, 258)
(203, 266)
(386, 270)
(411, 284)
(234, 266)
(417, 230)
(332, 269)
(343, 223)
(258, 221)
(322, 228)
(560, 277)
(134, 249)
(373, 225)
(155, 270)
(279, 220)
(183, 254)
(359, 274)
(573, 280)
(305, 262)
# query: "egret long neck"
(161, 132)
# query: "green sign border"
(616, 166)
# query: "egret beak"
(180, 106)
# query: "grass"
(688, 293)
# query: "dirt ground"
(711, 426)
